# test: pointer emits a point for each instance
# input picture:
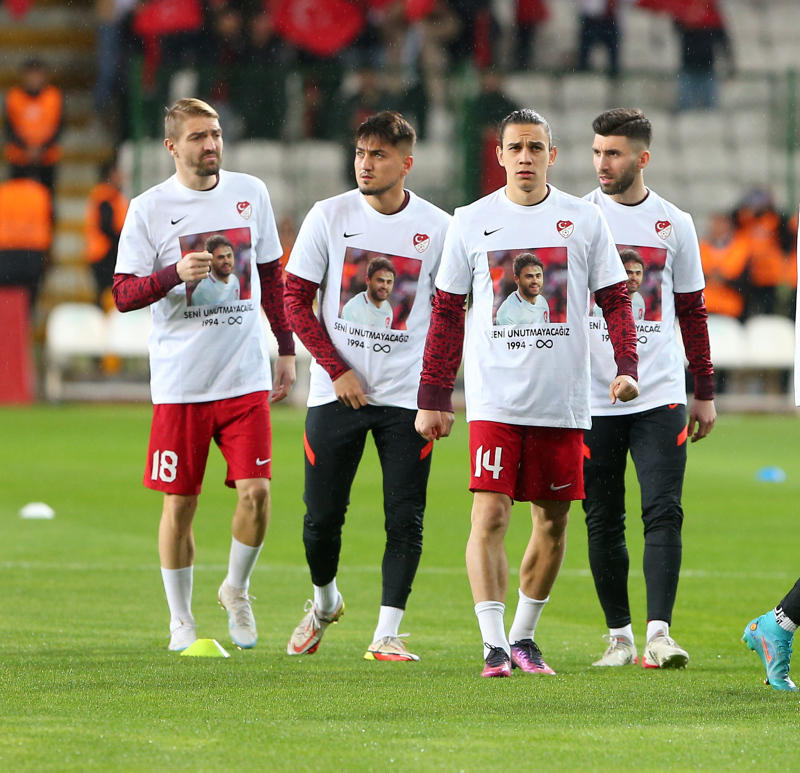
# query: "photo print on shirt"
(538, 295)
(230, 278)
(644, 283)
(378, 289)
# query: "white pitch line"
(687, 574)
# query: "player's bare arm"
(194, 266)
(433, 425)
(702, 417)
(349, 391)
(624, 389)
(284, 377)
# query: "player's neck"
(196, 182)
(527, 198)
(636, 194)
(389, 202)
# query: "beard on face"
(621, 184)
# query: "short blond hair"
(183, 109)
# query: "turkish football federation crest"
(663, 229)
(565, 228)
(245, 209)
(421, 242)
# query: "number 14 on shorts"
(483, 462)
(165, 466)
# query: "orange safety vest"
(721, 266)
(35, 120)
(97, 243)
(26, 215)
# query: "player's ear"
(499, 151)
(553, 154)
(644, 160)
(408, 162)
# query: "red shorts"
(181, 434)
(527, 463)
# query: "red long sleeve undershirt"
(299, 299)
(135, 292)
(690, 308)
(445, 340)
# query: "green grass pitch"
(87, 683)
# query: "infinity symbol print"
(381, 348)
(642, 339)
(234, 320)
(546, 343)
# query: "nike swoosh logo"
(489, 233)
(175, 222)
(558, 488)
(347, 235)
(262, 462)
(767, 654)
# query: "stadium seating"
(74, 330)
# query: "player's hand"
(284, 378)
(623, 388)
(703, 414)
(194, 266)
(433, 425)
(349, 390)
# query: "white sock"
(388, 622)
(326, 597)
(490, 619)
(527, 616)
(655, 627)
(241, 563)
(627, 632)
(178, 587)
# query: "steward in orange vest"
(26, 232)
(105, 215)
(33, 117)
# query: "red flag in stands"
(18, 8)
(321, 27)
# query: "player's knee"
(491, 519)
(254, 495)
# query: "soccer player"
(634, 266)
(209, 374)
(527, 397)
(770, 637)
(653, 429)
(372, 306)
(364, 381)
(221, 285)
(526, 305)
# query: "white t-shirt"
(536, 375)
(211, 291)
(363, 311)
(203, 353)
(665, 238)
(515, 310)
(335, 244)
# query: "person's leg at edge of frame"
(176, 551)
(487, 568)
(770, 636)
